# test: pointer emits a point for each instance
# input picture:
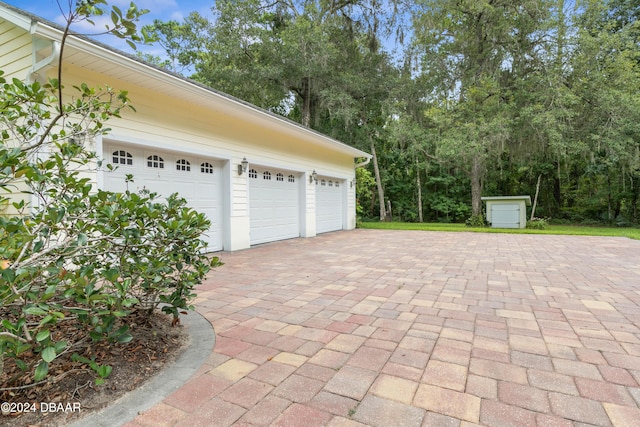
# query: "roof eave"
(191, 87)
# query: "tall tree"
(181, 42)
(471, 53)
(355, 107)
(606, 79)
(281, 55)
(317, 62)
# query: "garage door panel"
(197, 180)
(274, 205)
(329, 205)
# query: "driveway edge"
(202, 340)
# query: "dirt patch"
(71, 393)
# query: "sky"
(158, 9)
(163, 10)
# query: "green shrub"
(80, 259)
(88, 257)
(537, 223)
(476, 221)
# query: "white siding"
(15, 61)
(15, 50)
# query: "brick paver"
(378, 412)
(351, 382)
(380, 328)
(395, 388)
(161, 415)
(297, 388)
(498, 414)
(448, 402)
(302, 416)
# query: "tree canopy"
(489, 97)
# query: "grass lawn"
(632, 233)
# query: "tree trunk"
(557, 188)
(383, 212)
(306, 103)
(609, 197)
(420, 219)
(477, 171)
(535, 198)
(634, 199)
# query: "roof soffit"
(96, 57)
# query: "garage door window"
(292, 178)
(183, 165)
(122, 157)
(206, 167)
(279, 177)
(253, 173)
(266, 175)
(155, 161)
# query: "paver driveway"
(395, 328)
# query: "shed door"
(274, 205)
(328, 205)
(198, 180)
(505, 215)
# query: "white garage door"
(505, 215)
(274, 205)
(198, 180)
(328, 205)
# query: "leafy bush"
(73, 257)
(476, 221)
(537, 223)
(88, 257)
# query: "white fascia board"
(208, 95)
(16, 18)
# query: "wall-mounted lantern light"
(242, 166)
(313, 177)
(353, 182)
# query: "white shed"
(507, 211)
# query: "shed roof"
(527, 199)
(95, 56)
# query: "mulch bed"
(70, 392)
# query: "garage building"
(256, 175)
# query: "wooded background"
(456, 99)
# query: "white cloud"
(177, 16)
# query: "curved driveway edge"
(158, 387)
